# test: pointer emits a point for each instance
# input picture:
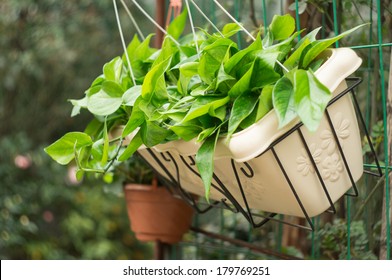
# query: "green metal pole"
(367, 110)
(297, 18)
(264, 16)
(348, 198)
(384, 107)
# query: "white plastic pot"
(268, 189)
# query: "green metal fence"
(361, 228)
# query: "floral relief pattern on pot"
(342, 131)
(304, 164)
(331, 164)
(332, 168)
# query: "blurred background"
(51, 50)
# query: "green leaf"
(94, 129)
(212, 57)
(132, 147)
(152, 134)
(224, 81)
(181, 106)
(168, 50)
(77, 105)
(63, 150)
(319, 46)
(203, 135)
(97, 150)
(136, 119)
(282, 26)
(230, 29)
(265, 102)
(102, 104)
(79, 175)
(242, 108)
(263, 72)
(154, 82)
(219, 113)
(205, 161)
(239, 58)
(94, 89)
(112, 89)
(244, 84)
(131, 95)
(259, 74)
(143, 51)
(176, 27)
(285, 46)
(112, 70)
(187, 71)
(131, 48)
(283, 101)
(203, 104)
(294, 58)
(310, 98)
(311, 36)
(186, 132)
(268, 39)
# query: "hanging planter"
(155, 214)
(258, 164)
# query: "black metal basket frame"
(229, 202)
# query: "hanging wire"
(154, 22)
(206, 17)
(123, 42)
(233, 19)
(245, 30)
(193, 29)
(139, 31)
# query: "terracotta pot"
(155, 215)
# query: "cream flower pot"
(264, 184)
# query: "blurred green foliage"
(46, 214)
(49, 52)
(333, 241)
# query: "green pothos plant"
(205, 91)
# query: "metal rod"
(206, 17)
(155, 23)
(212, 184)
(233, 19)
(292, 188)
(354, 186)
(134, 22)
(193, 29)
(317, 170)
(244, 244)
(362, 121)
